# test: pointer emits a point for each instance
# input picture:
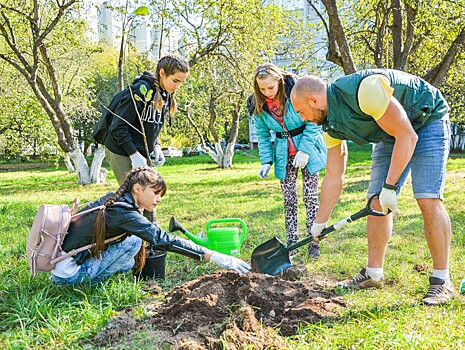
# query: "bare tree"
(29, 54)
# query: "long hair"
(262, 72)
(171, 64)
(145, 177)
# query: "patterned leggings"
(289, 188)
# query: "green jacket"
(309, 141)
(422, 102)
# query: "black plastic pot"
(154, 267)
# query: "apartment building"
(106, 26)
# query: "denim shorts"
(427, 165)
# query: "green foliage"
(369, 29)
(37, 314)
(429, 29)
(25, 129)
(141, 11)
(225, 43)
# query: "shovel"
(272, 257)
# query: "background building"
(106, 26)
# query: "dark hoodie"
(124, 139)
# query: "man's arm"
(331, 188)
(396, 123)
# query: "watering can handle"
(229, 220)
(368, 210)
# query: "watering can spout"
(176, 226)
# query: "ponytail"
(171, 64)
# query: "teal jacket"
(309, 141)
(422, 102)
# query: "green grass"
(35, 314)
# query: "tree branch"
(438, 73)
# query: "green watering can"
(226, 238)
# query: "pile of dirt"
(227, 307)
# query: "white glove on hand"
(264, 170)
(137, 160)
(388, 200)
(301, 159)
(230, 262)
(159, 158)
(317, 229)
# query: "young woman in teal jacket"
(297, 145)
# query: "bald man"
(408, 120)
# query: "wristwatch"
(390, 187)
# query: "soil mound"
(254, 309)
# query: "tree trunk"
(337, 29)
(81, 166)
(69, 164)
(457, 138)
(437, 75)
(96, 173)
(228, 154)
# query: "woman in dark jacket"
(121, 214)
(133, 114)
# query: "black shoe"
(438, 293)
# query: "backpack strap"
(73, 252)
(78, 250)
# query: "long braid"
(100, 228)
(139, 259)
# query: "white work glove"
(388, 201)
(300, 160)
(159, 158)
(264, 170)
(137, 160)
(230, 262)
(317, 229)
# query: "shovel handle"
(368, 210)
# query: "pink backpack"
(47, 234)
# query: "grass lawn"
(35, 314)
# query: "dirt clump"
(422, 268)
(227, 308)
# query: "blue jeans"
(427, 165)
(119, 257)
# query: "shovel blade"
(271, 257)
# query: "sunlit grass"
(36, 314)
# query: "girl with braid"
(142, 189)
